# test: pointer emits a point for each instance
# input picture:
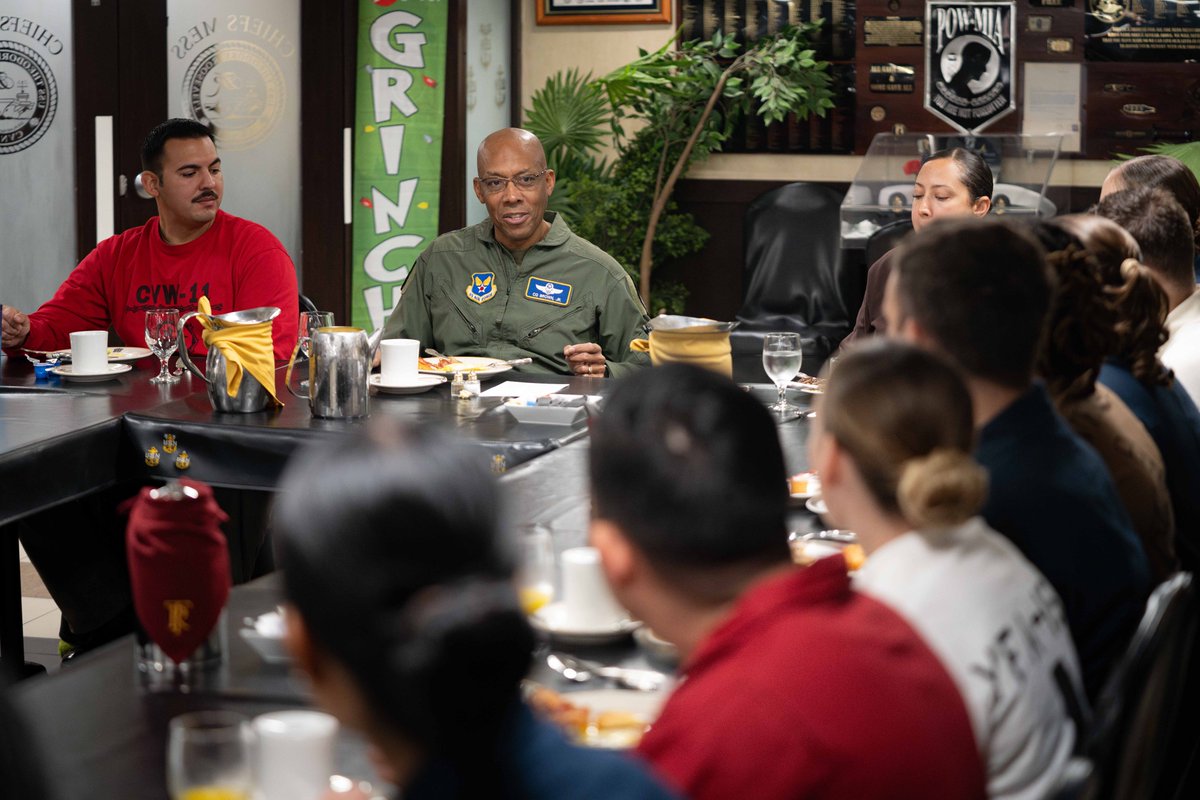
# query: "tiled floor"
(40, 618)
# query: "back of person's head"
(1161, 228)
(1138, 300)
(972, 169)
(980, 289)
(1082, 327)
(904, 416)
(392, 553)
(156, 140)
(689, 467)
(1170, 174)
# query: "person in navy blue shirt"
(1136, 375)
(403, 612)
(979, 291)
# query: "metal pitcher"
(338, 373)
(251, 395)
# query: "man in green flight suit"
(521, 284)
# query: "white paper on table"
(1052, 102)
(522, 389)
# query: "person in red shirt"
(190, 250)
(793, 684)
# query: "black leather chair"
(1146, 728)
(795, 279)
(886, 238)
(306, 304)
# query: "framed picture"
(603, 12)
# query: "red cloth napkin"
(179, 568)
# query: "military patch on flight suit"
(482, 286)
(547, 291)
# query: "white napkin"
(522, 389)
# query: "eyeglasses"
(494, 185)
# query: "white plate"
(814, 486)
(115, 354)
(422, 383)
(544, 415)
(112, 371)
(120, 354)
(550, 621)
(269, 648)
(808, 388)
(817, 506)
(645, 705)
(483, 367)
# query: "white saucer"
(422, 383)
(111, 371)
(551, 621)
(121, 354)
(817, 506)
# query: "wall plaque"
(892, 32)
(969, 62)
(1139, 30)
(893, 78)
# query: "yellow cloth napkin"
(247, 348)
(709, 349)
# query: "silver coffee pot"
(338, 373)
(251, 395)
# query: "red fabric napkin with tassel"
(178, 565)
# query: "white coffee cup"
(89, 352)
(398, 361)
(587, 600)
(294, 754)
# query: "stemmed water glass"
(781, 360)
(309, 322)
(162, 327)
(208, 756)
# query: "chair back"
(1145, 728)
(794, 279)
(886, 238)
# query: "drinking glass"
(309, 322)
(208, 756)
(162, 326)
(781, 360)
(535, 576)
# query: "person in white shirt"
(892, 441)
(1163, 231)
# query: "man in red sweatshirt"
(191, 249)
(794, 684)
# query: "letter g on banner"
(410, 43)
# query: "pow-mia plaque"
(28, 97)
(969, 62)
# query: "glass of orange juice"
(208, 756)
(535, 574)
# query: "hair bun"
(940, 489)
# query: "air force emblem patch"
(547, 291)
(482, 286)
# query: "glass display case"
(882, 189)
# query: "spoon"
(581, 671)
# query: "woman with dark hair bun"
(402, 611)
(892, 441)
(1081, 332)
(951, 183)
(1134, 373)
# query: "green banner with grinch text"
(398, 113)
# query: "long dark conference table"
(104, 735)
